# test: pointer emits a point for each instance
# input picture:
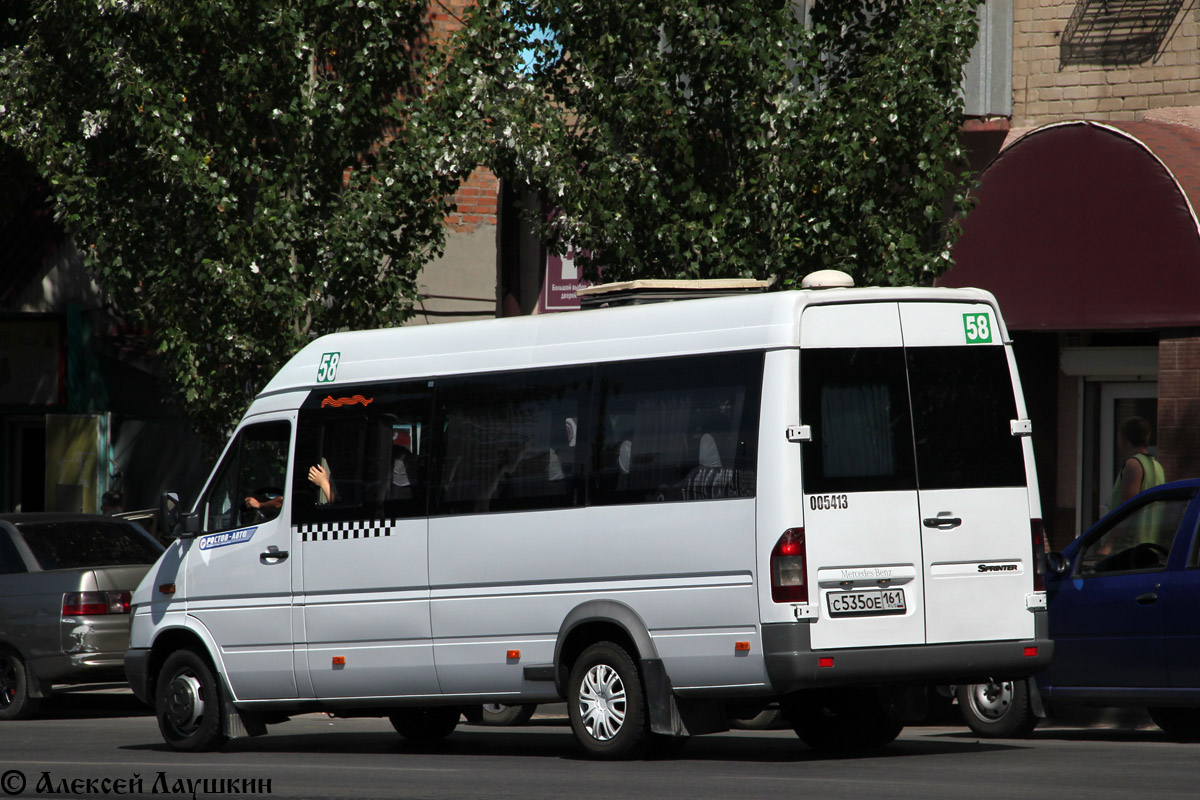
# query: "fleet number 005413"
(828, 502)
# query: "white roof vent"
(827, 279)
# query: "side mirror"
(168, 514)
(1057, 563)
(173, 521)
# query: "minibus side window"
(363, 454)
(511, 441)
(677, 429)
(964, 403)
(856, 402)
(255, 466)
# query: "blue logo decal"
(227, 538)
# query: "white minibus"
(664, 515)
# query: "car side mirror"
(1057, 563)
(173, 521)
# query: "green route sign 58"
(978, 328)
(327, 369)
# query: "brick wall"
(1077, 59)
(477, 199)
(1179, 404)
(478, 196)
(446, 15)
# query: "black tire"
(15, 702)
(1181, 724)
(500, 714)
(997, 709)
(842, 720)
(425, 725)
(188, 703)
(607, 704)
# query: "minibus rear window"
(856, 402)
(963, 405)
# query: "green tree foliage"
(240, 174)
(721, 138)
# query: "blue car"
(1124, 613)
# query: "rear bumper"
(792, 664)
(137, 672)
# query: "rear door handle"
(943, 521)
(1147, 598)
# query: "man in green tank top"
(1140, 471)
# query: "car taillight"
(787, 568)
(1039, 554)
(91, 604)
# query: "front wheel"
(1181, 724)
(188, 703)
(997, 709)
(842, 720)
(606, 703)
(425, 725)
(15, 702)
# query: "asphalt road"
(82, 740)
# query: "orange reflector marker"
(1030, 652)
(166, 588)
(741, 647)
(514, 654)
(825, 661)
(339, 661)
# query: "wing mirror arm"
(1057, 563)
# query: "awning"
(1088, 226)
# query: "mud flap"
(1035, 699)
(235, 724)
(676, 716)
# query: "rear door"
(917, 512)
(971, 472)
(860, 490)
(1181, 623)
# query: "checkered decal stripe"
(337, 531)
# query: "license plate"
(867, 602)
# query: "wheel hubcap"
(602, 702)
(992, 700)
(185, 702)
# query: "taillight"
(787, 568)
(1038, 534)
(92, 604)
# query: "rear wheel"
(1182, 724)
(188, 703)
(15, 702)
(997, 709)
(607, 704)
(425, 725)
(501, 714)
(842, 720)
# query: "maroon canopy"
(1088, 226)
